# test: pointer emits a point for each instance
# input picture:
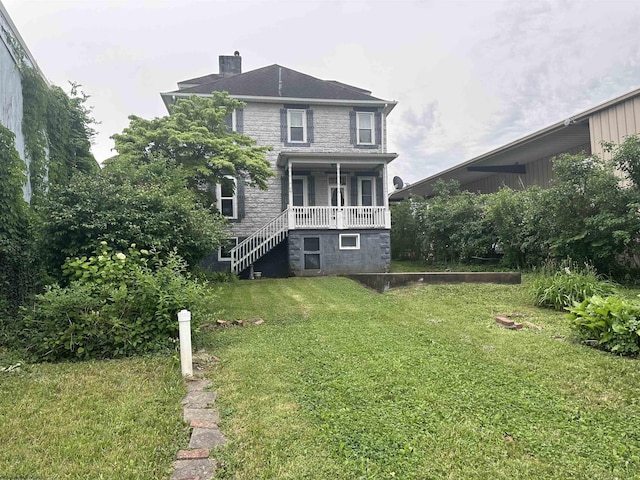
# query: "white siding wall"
(614, 123)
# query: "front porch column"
(291, 219)
(339, 215)
(385, 197)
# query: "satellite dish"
(398, 183)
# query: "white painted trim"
(219, 198)
(388, 105)
(373, 191)
(372, 116)
(357, 237)
(305, 190)
(227, 259)
(304, 125)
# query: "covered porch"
(337, 191)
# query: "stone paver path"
(195, 463)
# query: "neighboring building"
(11, 112)
(326, 211)
(527, 161)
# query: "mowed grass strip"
(119, 419)
(341, 382)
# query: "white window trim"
(305, 191)
(373, 130)
(226, 259)
(304, 125)
(234, 121)
(219, 197)
(373, 190)
(356, 235)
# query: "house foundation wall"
(372, 256)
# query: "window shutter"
(354, 191)
(379, 192)
(311, 185)
(309, 126)
(284, 189)
(352, 127)
(240, 120)
(378, 120)
(227, 122)
(283, 125)
(240, 197)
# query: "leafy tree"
(516, 216)
(590, 215)
(626, 157)
(147, 204)
(196, 137)
(405, 237)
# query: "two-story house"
(326, 209)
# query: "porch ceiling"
(325, 159)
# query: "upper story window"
(296, 125)
(227, 197)
(235, 120)
(365, 128)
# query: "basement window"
(311, 246)
(224, 251)
(349, 241)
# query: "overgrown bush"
(117, 304)
(613, 323)
(561, 287)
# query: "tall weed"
(559, 286)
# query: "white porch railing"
(338, 217)
(271, 234)
(259, 243)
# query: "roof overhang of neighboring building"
(319, 159)
(513, 157)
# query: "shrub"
(117, 304)
(612, 322)
(569, 284)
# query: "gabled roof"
(276, 81)
(560, 137)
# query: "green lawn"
(341, 382)
(92, 420)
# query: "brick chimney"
(230, 65)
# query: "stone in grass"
(196, 454)
(202, 424)
(203, 414)
(504, 321)
(206, 438)
(197, 384)
(198, 399)
(202, 469)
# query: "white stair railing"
(259, 243)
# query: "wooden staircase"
(260, 242)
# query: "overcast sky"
(469, 75)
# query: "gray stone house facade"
(326, 210)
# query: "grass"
(92, 420)
(341, 382)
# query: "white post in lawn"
(184, 324)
